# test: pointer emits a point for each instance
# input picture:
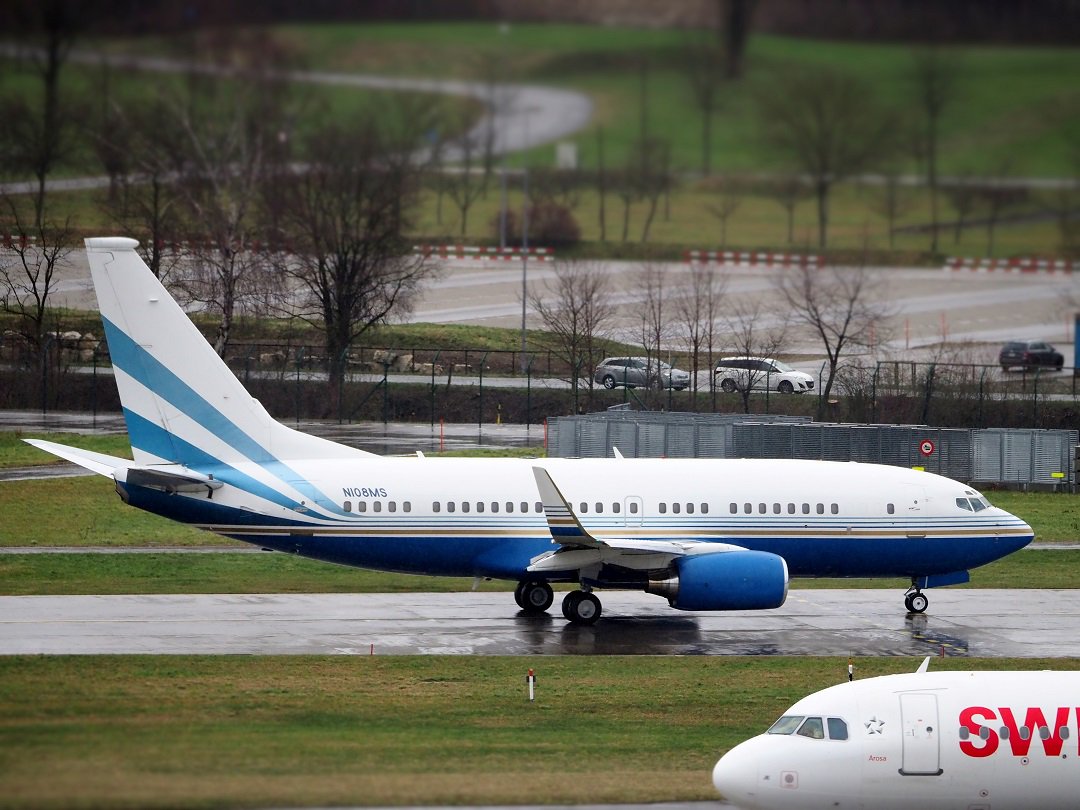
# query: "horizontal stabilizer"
(170, 478)
(95, 462)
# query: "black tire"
(918, 603)
(518, 594)
(584, 608)
(785, 387)
(728, 386)
(569, 604)
(907, 602)
(1058, 366)
(608, 381)
(536, 596)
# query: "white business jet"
(705, 534)
(925, 740)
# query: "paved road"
(978, 623)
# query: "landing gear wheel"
(534, 596)
(580, 607)
(917, 602)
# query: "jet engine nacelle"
(730, 580)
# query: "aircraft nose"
(735, 775)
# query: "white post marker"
(531, 680)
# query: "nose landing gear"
(915, 600)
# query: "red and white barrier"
(539, 254)
(752, 259)
(1017, 264)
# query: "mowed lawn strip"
(230, 731)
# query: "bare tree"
(827, 123)
(933, 76)
(602, 184)
(756, 333)
(788, 191)
(37, 135)
(697, 306)
(728, 199)
(738, 17)
(997, 197)
(962, 195)
(577, 311)
(844, 307)
(657, 321)
(653, 178)
(28, 271)
(462, 184)
(892, 203)
(348, 214)
(705, 65)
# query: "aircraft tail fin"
(182, 403)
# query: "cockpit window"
(813, 728)
(963, 504)
(786, 724)
(978, 504)
(837, 729)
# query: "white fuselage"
(933, 741)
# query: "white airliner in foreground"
(705, 534)
(925, 741)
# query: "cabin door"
(919, 722)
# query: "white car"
(759, 374)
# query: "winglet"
(925, 665)
(616, 452)
(562, 522)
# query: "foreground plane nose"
(735, 776)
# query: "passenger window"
(599, 508)
(704, 509)
(834, 508)
(837, 729)
(361, 506)
(348, 506)
(761, 508)
(734, 508)
(465, 506)
(791, 509)
(451, 506)
(633, 507)
(616, 507)
(524, 506)
(538, 507)
(890, 508)
(963, 504)
(407, 506)
(663, 508)
(689, 509)
(776, 508)
(821, 509)
(676, 508)
(510, 506)
(748, 508)
(812, 727)
(377, 506)
(494, 506)
(436, 507)
(392, 506)
(584, 507)
(806, 509)
(479, 506)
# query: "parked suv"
(640, 371)
(759, 373)
(1028, 354)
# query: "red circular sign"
(926, 447)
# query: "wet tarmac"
(977, 623)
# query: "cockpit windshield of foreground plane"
(706, 534)
(926, 740)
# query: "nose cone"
(735, 776)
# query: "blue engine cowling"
(729, 580)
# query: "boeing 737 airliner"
(926, 740)
(705, 534)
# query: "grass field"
(166, 731)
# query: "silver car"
(644, 372)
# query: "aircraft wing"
(169, 478)
(580, 549)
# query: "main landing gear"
(534, 597)
(915, 600)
